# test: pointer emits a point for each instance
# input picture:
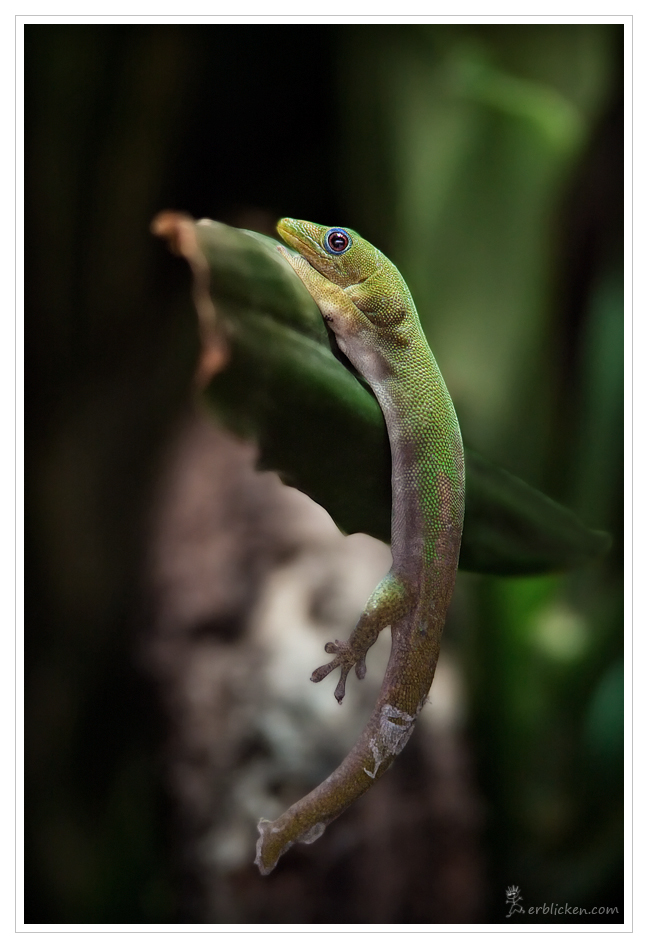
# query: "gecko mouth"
(292, 233)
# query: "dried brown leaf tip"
(179, 230)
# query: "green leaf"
(322, 430)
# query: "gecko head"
(339, 254)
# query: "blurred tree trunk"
(247, 581)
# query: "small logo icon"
(513, 897)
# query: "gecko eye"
(337, 241)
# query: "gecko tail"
(273, 843)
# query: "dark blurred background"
(487, 162)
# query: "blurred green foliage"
(486, 161)
(497, 155)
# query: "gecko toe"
(341, 685)
(320, 673)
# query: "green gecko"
(368, 306)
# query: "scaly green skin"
(367, 304)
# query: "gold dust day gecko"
(368, 306)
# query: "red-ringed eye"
(337, 240)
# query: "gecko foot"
(346, 656)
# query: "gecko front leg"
(389, 602)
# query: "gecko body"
(367, 304)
